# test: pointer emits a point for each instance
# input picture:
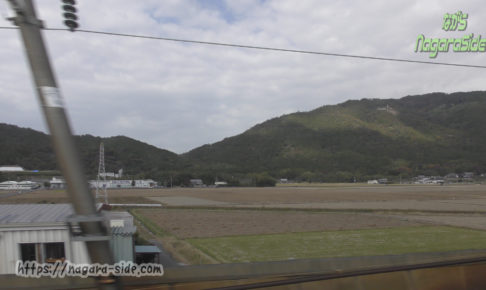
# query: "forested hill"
(32, 150)
(431, 134)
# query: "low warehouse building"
(11, 168)
(40, 232)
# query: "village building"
(41, 232)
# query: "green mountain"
(25, 147)
(431, 134)
(32, 150)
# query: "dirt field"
(387, 206)
(273, 195)
(190, 223)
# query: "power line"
(266, 48)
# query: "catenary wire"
(266, 48)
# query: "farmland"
(340, 243)
(195, 223)
(282, 195)
(213, 225)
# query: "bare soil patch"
(289, 195)
(446, 205)
(190, 223)
(471, 221)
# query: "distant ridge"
(432, 134)
(32, 150)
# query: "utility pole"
(94, 233)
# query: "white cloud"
(179, 96)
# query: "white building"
(116, 183)
(37, 232)
(11, 168)
(57, 183)
(40, 232)
(22, 185)
(113, 174)
(196, 183)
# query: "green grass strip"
(149, 224)
(274, 247)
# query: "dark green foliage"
(182, 179)
(25, 147)
(32, 150)
(432, 134)
(264, 180)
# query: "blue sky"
(179, 96)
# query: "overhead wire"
(236, 45)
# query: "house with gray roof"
(41, 232)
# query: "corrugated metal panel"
(79, 253)
(122, 247)
(125, 231)
(10, 240)
(34, 213)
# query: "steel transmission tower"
(101, 194)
